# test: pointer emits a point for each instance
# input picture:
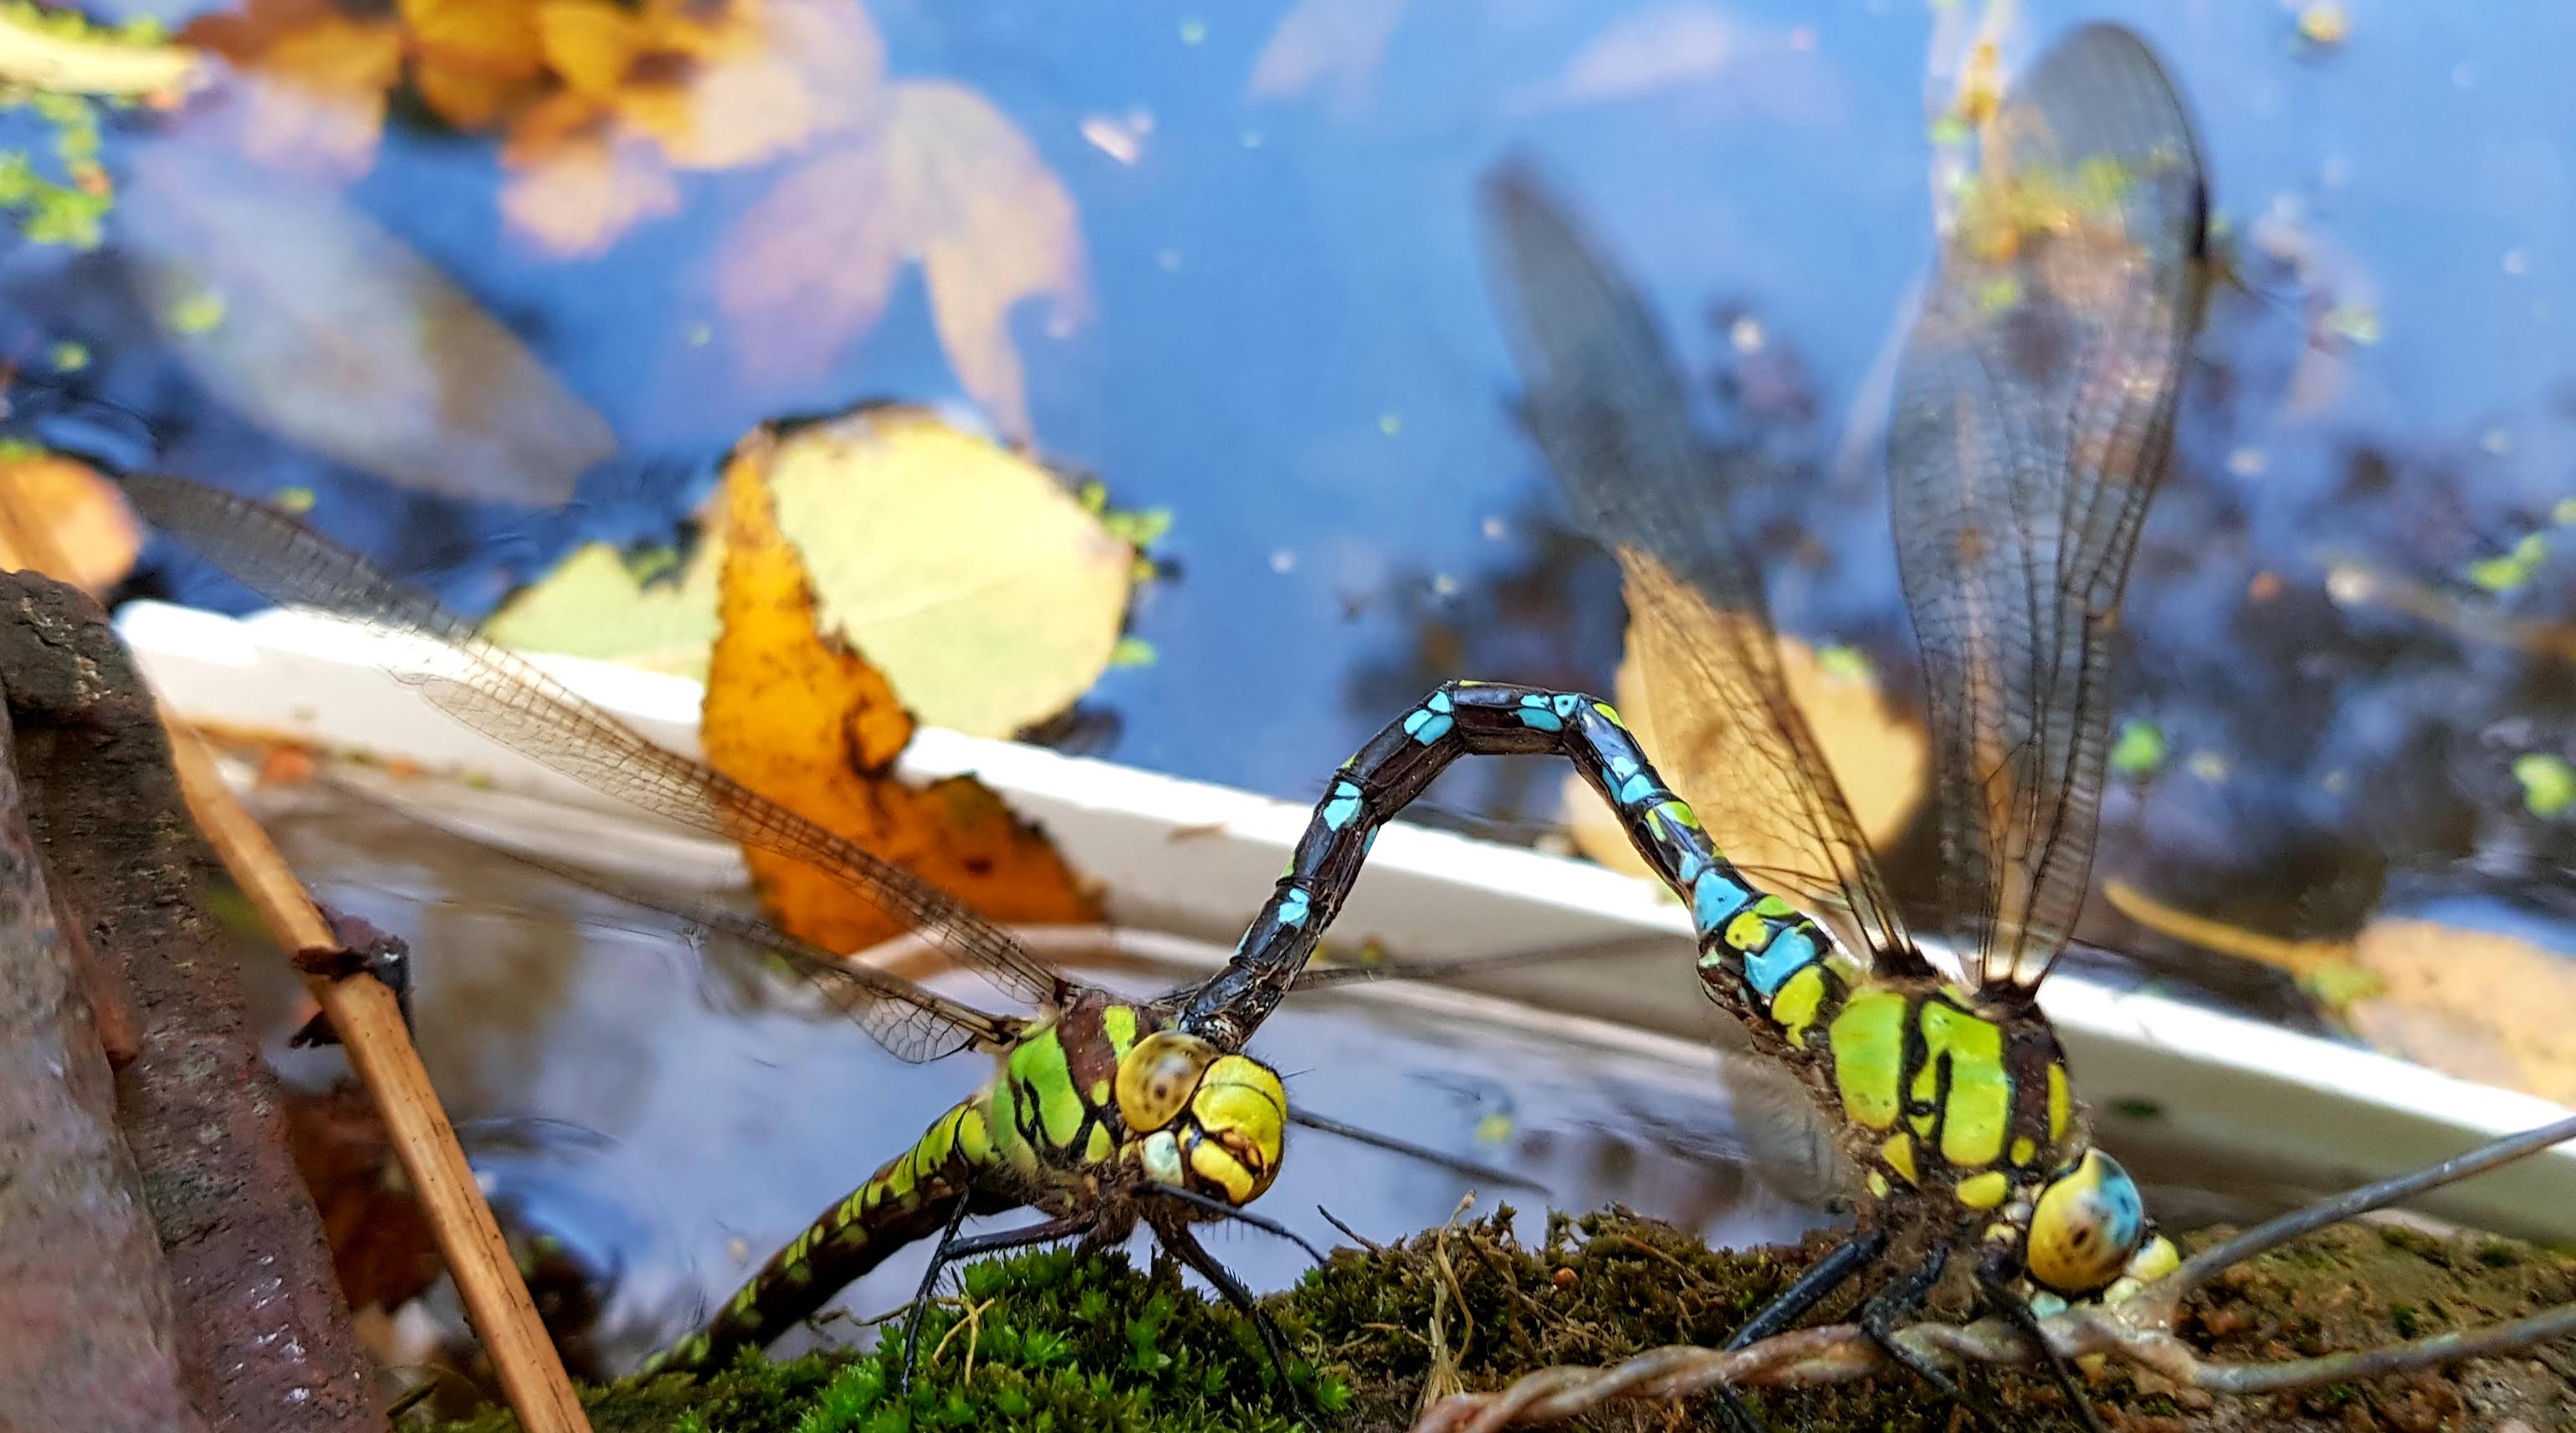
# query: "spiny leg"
(1790, 1305)
(951, 1249)
(1898, 1301)
(1186, 1247)
(2017, 1311)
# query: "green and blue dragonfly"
(2033, 418)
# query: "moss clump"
(1063, 1344)
(1042, 1341)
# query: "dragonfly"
(2033, 417)
(1104, 1114)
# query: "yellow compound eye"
(2087, 1223)
(1241, 1111)
(1158, 1076)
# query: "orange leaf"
(66, 521)
(808, 721)
(474, 60)
(591, 44)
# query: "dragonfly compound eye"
(2086, 1225)
(1241, 1111)
(1156, 1079)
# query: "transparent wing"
(513, 701)
(2034, 416)
(912, 1023)
(1605, 404)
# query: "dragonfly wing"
(1607, 407)
(2034, 416)
(911, 1022)
(516, 702)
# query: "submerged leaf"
(809, 721)
(337, 337)
(947, 182)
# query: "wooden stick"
(370, 1025)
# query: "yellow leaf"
(1881, 761)
(986, 592)
(65, 61)
(591, 605)
(591, 44)
(473, 60)
(809, 722)
(968, 572)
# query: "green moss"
(1058, 1344)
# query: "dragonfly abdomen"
(911, 1197)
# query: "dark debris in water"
(1062, 1344)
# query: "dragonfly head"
(2088, 1231)
(1212, 1123)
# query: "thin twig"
(369, 1021)
(2197, 1269)
(2138, 1329)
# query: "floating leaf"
(2548, 783)
(40, 53)
(67, 521)
(986, 591)
(1880, 759)
(337, 337)
(949, 183)
(809, 721)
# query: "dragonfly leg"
(1898, 1301)
(1999, 1296)
(1186, 1247)
(951, 1249)
(1791, 1304)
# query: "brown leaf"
(809, 722)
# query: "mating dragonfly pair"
(2033, 419)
